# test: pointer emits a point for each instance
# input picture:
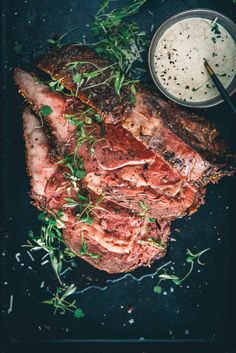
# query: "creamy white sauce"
(179, 58)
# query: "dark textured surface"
(201, 309)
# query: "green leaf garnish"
(192, 259)
(61, 303)
(79, 313)
(157, 289)
(45, 110)
(85, 252)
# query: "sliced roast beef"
(117, 240)
(146, 163)
(188, 143)
(120, 168)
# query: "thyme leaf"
(192, 259)
(61, 303)
(45, 110)
(50, 240)
(85, 252)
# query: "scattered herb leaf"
(191, 259)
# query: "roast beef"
(145, 163)
(121, 168)
(187, 142)
(117, 241)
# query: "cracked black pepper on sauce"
(179, 58)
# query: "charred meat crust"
(100, 95)
(196, 134)
(133, 179)
(117, 235)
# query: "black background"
(197, 315)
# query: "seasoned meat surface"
(120, 168)
(117, 238)
(136, 166)
(187, 142)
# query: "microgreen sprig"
(85, 252)
(192, 259)
(56, 85)
(50, 240)
(144, 208)
(118, 40)
(61, 303)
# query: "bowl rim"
(150, 59)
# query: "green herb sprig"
(144, 208)
(50, 240)
(61, 303)
(85, 252)
(192, 259)
(56, 85)
(118, 40)
(75, 169)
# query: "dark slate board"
(197, 314)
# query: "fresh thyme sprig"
(118, 40)
(58, 41)
(84, 207)
(85, 252)
(145, 211)
(83, 79)
(61, 303)
(56, 85)
(192, 259)
(50, 240)
(75, 169)
(144, 207)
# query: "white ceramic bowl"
(224, 21)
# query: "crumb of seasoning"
(131, 321)
(186, 332)
(9, 310)
(186, 87)
(130, 309)
(217, 65)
